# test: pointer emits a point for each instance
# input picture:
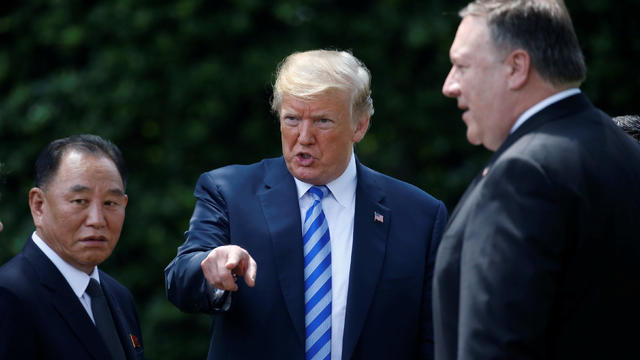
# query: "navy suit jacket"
(541, 258)
(42, 318)
(388, 313)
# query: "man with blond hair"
(540, 257)
(337, 259)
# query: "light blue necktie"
(317, 278)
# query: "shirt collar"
(78, 280)
(541, 105)
(343, 188)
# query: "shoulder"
(568, 145)
(239, 175)
(395, 189)
(575, 130)
(10, 269)
(19, 282)
(10, 301)
(17, 274)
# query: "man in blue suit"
(337, 259)
(55, 302)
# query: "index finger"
(250, 274)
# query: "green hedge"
(184, 86)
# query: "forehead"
(472, 38)
(87, 170)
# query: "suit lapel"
(463, 198)
(280, 206)
(65, 301)
(369, 247)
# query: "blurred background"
(183, 87)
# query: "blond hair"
(308, 74)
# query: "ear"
(125, 201)
(36, 203)
(362, 125)
(519, 65)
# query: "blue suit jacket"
(256, 207)
(42, 318)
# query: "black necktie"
(104, 320)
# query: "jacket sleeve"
(186, 285)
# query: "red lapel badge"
(134, 341)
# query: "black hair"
(48, 161)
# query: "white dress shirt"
(78, 280)
(339, 208)
(541, 105)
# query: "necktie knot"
(94, 289)
(318, 192)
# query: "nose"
(306, 136)
(95, 217)
(451, 88)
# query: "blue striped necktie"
(317, 278)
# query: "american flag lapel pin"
(378, 217)
(485, 171)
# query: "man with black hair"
(55, 302)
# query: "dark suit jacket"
(42, 318)
(541, 257)
(388, 313)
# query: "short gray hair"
(542, 28)
(308, 74)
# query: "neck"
(534, 91)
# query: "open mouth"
(304, 159)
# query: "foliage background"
(183, 87)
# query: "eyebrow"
(321, 115)
(82, 188)
(317, 115)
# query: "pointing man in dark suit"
(540, 256)
(55, 302)
(337, 259)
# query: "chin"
(473, 141)
(307, 179)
